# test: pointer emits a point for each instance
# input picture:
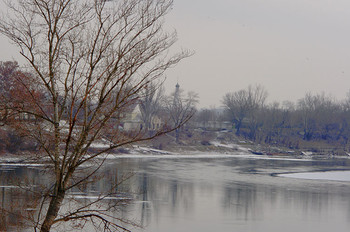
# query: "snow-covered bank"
(215, 150)
(200, 155)
(231, 151)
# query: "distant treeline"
(315, 117)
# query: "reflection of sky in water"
(331, 175)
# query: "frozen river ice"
(328, 175)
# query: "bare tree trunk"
(91, 61)
(177, 135)
(54, 207)
(238, 127)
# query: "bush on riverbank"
(14, 143)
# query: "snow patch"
(150, 150)
(306, 153)
(199, 155)
(98, 197)
(99, 145)
(230, 146)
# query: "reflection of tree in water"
(162, 190)
(247, 201)
(171, 194)
(18, 198)
(168, 189)
(145, 204)
(160, 195)
(21, 195)
(307, 200)
(157, 195)
(242, 201)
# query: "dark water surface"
(221, 193)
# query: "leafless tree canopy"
(244, 103)
(151, 104)
(91, 59)
(178, 106)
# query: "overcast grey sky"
(289, 46)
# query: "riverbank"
(227, 142)
(203, 142)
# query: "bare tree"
(318, 113)
(245, 104)
(150, 105)
(8, 71)
(275, 121)
(91, 58)
(256, 97)
(205, 116)
(236, 108)
(178, 107)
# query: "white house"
(133, 121)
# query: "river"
(222, 193)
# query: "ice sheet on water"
(328, 175)
(22, 164)
(97, 197)
(8, 186)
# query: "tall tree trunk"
(238, 127)
(54, 207)
(177, 135)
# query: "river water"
(223, 193)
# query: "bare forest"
(93, 73)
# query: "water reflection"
(225, 194)
(18, 198)
(208, 195)
(241, 202)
